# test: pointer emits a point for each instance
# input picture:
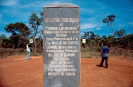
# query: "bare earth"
(16, 71)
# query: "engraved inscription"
(61, 47)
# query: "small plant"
(89, 56)
(98, 48)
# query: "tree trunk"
(35, 45)
(18, 44)
(13, 46)
(112, 38)
(35, 49)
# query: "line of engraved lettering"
(60, 70)
(71, 50)
(62, 66)
(51, 28)
(68, 66)
(69, 74)
(64, 31)
(55, 66)
(53, 62)
(50, 32)
(58, 62)
(70, 20)
(61, 73)
(53, 73)
(62, 47)
(52, 19)
(67, 47)
(69, 54)
(49, 39)
(73, 20)
(73, 42)
(68, 28)
(64, 55)
(47, 43)
(57, 42)
(50, 69)
(54, 51)
(56, 38)
(51, 47)
(66, 59)
(58, 54)
(61, 35)
(64, 19)
(68, 62)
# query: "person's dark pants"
(106, 59)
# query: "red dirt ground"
(16, 71)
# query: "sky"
(91, 14)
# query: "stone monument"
(61, 45)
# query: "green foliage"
(93, 46)
(35, 22)
(6, 43)
(19, 29)
(98, 48)
(109, 20)
(120, 33)
(92, 36)
(93, 43)
(2, 36)
(20, 33)
(126, 41)
(85, 36)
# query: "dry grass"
(89, 52)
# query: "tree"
(120, 33)
(109, 20)
(92, 36)
(2, 36)
(35, 22)
(86, 35)
(19, 32)
(97, 36)
(126, 41)
(104, 37)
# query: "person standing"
(104, 53)
(28, 52)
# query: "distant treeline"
(119, 39)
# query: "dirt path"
(18, 72)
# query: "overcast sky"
(91, 13)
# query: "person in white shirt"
(28, 52)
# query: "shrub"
(9, 52)
(98, 48)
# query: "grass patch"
(4, 52)
(121, 52)
(89, 52)
(36, 54)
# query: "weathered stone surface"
(61, 45)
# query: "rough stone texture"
(61, 44)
